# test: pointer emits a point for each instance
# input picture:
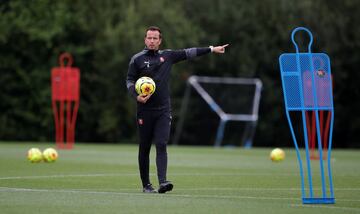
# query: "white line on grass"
(10, 189)
(228, 189)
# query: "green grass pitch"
(103, 178)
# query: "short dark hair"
(153, 28)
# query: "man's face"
(152, 40)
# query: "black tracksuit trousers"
(154, 127)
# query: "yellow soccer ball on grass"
(277, 155)
(50, 155)
(34, 155)
(145, 86)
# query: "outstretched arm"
(190, 53)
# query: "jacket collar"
(151, 52)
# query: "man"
(154, 111)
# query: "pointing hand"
(220, 49)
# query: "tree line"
(103, 35)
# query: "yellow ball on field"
(34, 155)
(50, 155)
(145, 86)
(277, 155)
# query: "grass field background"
(103, 178)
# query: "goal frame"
(251, 119)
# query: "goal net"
(218, 111)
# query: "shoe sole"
(166, 188)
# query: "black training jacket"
(157, 65)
